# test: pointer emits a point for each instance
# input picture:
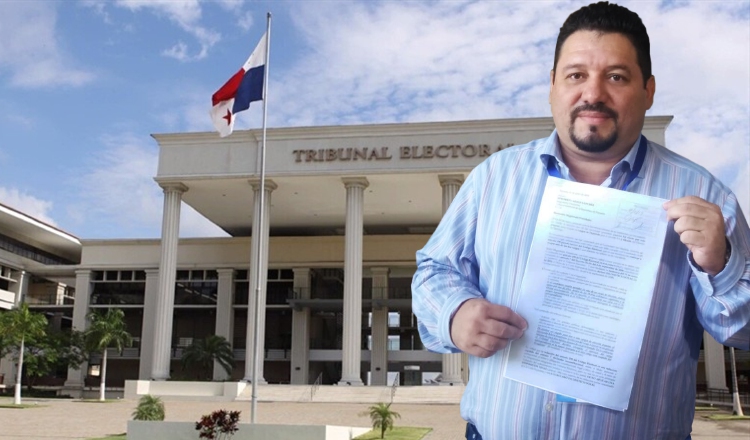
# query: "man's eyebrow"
(583, 66)
(573, 66)
(619, 67)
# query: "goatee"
(593, 142)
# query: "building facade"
(345, 210)
(36, 267)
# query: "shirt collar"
(551, 151)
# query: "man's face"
(597, 94)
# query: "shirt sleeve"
(447, 271)
(723, 300)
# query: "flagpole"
(259, 232)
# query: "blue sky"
(83, 84)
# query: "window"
(127, 287)
(196, 287)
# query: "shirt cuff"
(444, 323)
(723, 281)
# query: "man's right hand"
(481, 328)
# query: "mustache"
(598, 107)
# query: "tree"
(383, 417)
(16, 327)
(202, 354)
(149, 408)
(107, 330)
(61, 349)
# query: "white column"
(224, 315)
(80, 310)
(300, 363)
(259, 238)
(379, 330)
(60, 294)
(167, 271)
(147, 327)
(713, 361)
(351, 354)
(452, 363)
(21, 288)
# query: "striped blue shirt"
(480, 250)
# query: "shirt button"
(549, 407)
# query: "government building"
(345, 210)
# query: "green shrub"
(149, 408)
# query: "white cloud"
(438, 61)
(27, 204)
(118, 190)
(701, 58)
(400, 61)
(30, 50)
(245, 21)
(441, 61)
(179, 52)
(185, 13)
(231, 5)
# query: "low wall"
(140, 430)
(211, 390)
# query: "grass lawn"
(397, 433)
(21, 406)
(719, 417)
(97, 401)
(706, 408)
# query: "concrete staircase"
(277, 393)
(346, 394)
(429, 394)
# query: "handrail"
(316, 385)
(394, 386)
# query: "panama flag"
(243, 88)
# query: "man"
(470, 271)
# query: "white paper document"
(586, 292)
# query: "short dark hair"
(609, 18)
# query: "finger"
(684, 224)
(693, 239)
(687, 200)
(505, 314)
(479, 352)
(692, 210)
(490, 344)
(500, 329)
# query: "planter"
(139, 430)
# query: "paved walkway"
(66, 419)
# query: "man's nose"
(594, 90)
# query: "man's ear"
(650, 91)
(551, 83)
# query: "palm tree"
(203, 353)
(16, 326)
(149, 408)
(383, 417)
(107, 330)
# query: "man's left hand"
(700, 225)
